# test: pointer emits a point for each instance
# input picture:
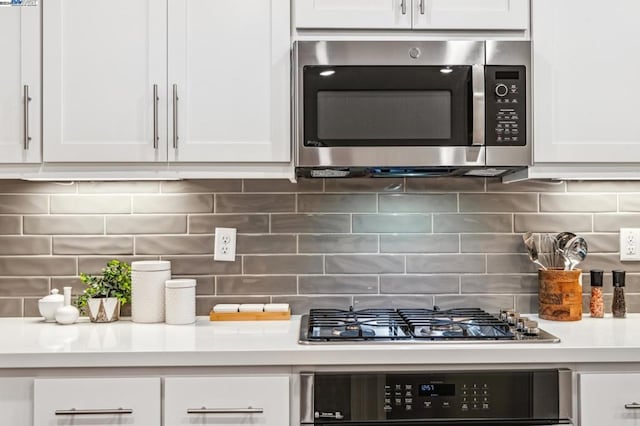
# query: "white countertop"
(31, 343)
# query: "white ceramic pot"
(104, 309)
(67, 314)
(48, 305)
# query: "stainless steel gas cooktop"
(469, 325)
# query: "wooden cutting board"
(249, 316)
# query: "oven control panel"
(447, 395)
(437, 395)
(505, 97)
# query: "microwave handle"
(478, 104)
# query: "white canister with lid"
(180, 298)
(147, 290)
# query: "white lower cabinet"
(609, 399)
(97, 401)
(16, 401)
(226, 401)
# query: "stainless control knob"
(520, 326)
(501, 90)
(531, 328)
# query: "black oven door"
(388, 106)
(455, 422)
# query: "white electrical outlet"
(225, 244)
(629, 243)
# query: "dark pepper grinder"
(618, 307)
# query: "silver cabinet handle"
(632, 406)
(204, 410)
(477, 86)
(155, 116)
(175, 116)
(403, 6)
(422, 7)
(27, 99)
(75, 412)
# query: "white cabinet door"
(603, 398)
(226, 401)
(471, 14)
(229, 68)
(16, 401)
(392, 14)
(19, 75)
(585, 81)
(102, 60)
(114, 401)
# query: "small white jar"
(180, 301)
(147, 290)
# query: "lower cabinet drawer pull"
(205, 410)
(75, 412)
(632, 406)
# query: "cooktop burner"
(418, 325)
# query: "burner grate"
(459, 323)
(405, 324)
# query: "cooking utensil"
(547, 252)
(530, 244)
(561, 243)
(575, 252)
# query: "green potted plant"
(105, 294)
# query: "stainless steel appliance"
(462, 325)
(508, 398)
(389, 108)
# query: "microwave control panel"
(505, 120)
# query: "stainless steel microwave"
(412, 108)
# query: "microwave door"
(378, 106)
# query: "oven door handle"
(478, 104)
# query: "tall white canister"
(147, 290)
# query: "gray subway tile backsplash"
(337, 203)
(338, 284)
(146, 224)
(85, 244)
(316, 243)
(10, 225)
(24, 245)
(391, 223)
(64, 225)
(310, 223)
(23, 204)
(255, 203)
(90, 204)
(244, 223)
(417, 203)
(493, 202)
(338, 243)
(173, 244)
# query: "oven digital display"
(437, 389)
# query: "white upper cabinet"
(104, 80)
(353, 14)
(416, 14)
(228, 80)
(471, 14)
(585, 72)
(20, 85)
